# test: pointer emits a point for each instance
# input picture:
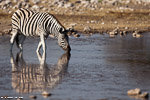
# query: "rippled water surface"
(98, 67)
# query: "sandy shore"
(104, 20)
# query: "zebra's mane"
(62, 26)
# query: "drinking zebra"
(28, 23)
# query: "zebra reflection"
(28, 78)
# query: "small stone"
(115, 22)
(28, 6)
(87, 29)
(73, 24)
(136, 28)
(94, 1)
(136, 91)
(55, 2)
(26, 0)
(46, 94)
(15, 7)
(93, 21)
(68, 5)
(8, 2)
(65, 0)
(24, 4)
(9, 12)
(36, 1)
(19, 4)
(114, 32)
(77, 35)
(44, 2)
(33, 96)
(15, 1)
(124, 32)
(111, 35)
(4, 97)
(126, 28)
(78, 1)
(60, 4)
(121, 33)
(102, 23)
(35, 8)
(85, 2)
(45, 9)
(136, 34)
(144, 95)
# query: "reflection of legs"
(21, 42)
(43, 43)
(12, 61)
(39, 46)
(42, 59)
(20, 58)
(14, 34)
(39, 56)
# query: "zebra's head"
(63, 40)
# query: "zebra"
(29, 23)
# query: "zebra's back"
(28, 22)
(20, 17)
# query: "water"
(99, 67)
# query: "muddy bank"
(106, 21)
(97, 21)
(100, 20)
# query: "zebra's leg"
(39, 46)
(21, 40)
(14, 34)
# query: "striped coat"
(28, 23)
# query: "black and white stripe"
(32, 77)
(28, 23)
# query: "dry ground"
(98, 20)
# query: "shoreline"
(103, 21)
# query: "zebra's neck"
(53, 26)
